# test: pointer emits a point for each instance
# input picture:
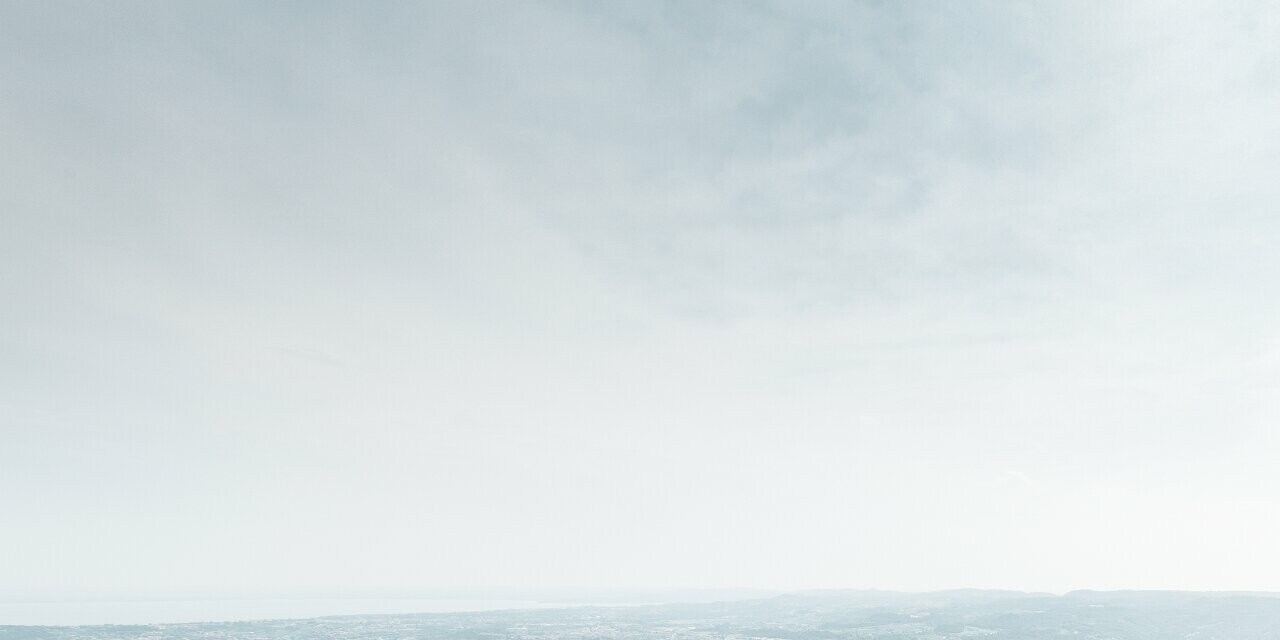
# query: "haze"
(339, 297)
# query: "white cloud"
(636, 294)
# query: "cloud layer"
(772, 295)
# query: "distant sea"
(175, 611)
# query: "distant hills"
(812, 615)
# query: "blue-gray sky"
(379, 295)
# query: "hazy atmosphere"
(315, 298)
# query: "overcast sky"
(301, 296)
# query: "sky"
(336, 297)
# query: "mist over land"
(830, 615)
